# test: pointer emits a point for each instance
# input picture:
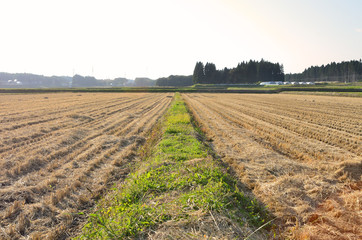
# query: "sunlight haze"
(109, 39)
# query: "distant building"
(11, 83)
(271, 83)
(285, 83)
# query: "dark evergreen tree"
(224, 76)
(199, 73)
(251, 72)
(211, 73)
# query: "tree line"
(175, 80)
(244, 72)
(347, 71)
(88, 81)
(27, 80)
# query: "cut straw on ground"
(177, 191)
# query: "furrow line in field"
(32, 107)
(329, 120)
(39, 160)
(332, 118)
(319, 105)
(64, 125)
(145, 120)
(78, 146)
(63, 100)
(331, 137)
(283, 140)
(78, 108)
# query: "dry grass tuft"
(14, 209)
(10, 232)
(59, 195)
(67, 218)
(76, 184)
(338, 217)
(201, 225)
(36, 236)
(351, 170)
(58, 233)
(23, 223)
(83, 199)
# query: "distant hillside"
(27, 80)
(88, 81)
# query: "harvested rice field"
(300, 155)
(60, 152)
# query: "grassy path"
(178, 191)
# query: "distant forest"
(80, 81)
(27, 80)
(174, 80)
(350, 71)
(250, 72)
(244, 72)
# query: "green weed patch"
(177, 179)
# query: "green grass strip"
(177, 179)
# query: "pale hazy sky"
(156, 38)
